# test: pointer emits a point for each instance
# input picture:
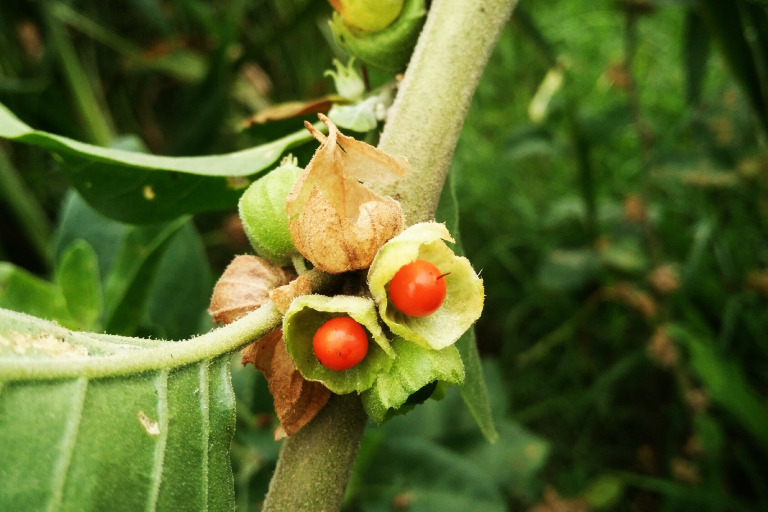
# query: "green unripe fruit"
(368, 15)
(262, 211)
(389, 49)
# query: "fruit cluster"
(395, 337)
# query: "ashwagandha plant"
(103, 421)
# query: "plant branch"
(426, 119)
(424, 125)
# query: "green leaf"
(78, 279)
(426, 477)
(22, 291)
(474, 391)
(414, 367)
(127, 286)
(726, 384)
(738, 27)
(142, 188)
(129, 261)
(181, 289)
(98, 422)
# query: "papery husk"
(336, 222)
(282, 296)
(244, 287)
(296, 399)
(464, 297)
(308, 313)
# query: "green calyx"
(262, 212)
(388, 49)
(307, 313)
(464, 297)
(414, 368)
(368, 15)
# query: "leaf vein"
(161, 385)
(69, 440)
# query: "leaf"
(294, 109)
(99, 422)
(739, 29)
(414, 367)
(181, 288)
(22, 291)
(78, 279)
(129, 259)
(726, 384)
(474, 391)
(425, 476)
(142, 188)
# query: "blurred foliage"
(611, 179)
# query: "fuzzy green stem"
(429, 111)
(424, 125)
(315, 463)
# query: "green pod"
(389, 49)
(307, 313)
(262, 212)
(464, 296)
(414, 368)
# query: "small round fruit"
(262, 211)
(340, 343)
(418, 288)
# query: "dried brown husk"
(282, 296)
(296, 399)
(335, 221)
(244, 286)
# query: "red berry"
(418, 288)
(340, 343)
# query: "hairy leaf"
(100, 422)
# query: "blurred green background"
(611, 179)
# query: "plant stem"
(315, 463)
(426, 119)
(424, 125)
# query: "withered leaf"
(296, 399)
(335, 221)
(294, 109)
(244, 286)
(282, 296)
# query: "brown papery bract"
(244, 286)
(335, 221)
(296, 399)
(282, 296)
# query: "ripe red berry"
(340, 343)
(418, 288)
